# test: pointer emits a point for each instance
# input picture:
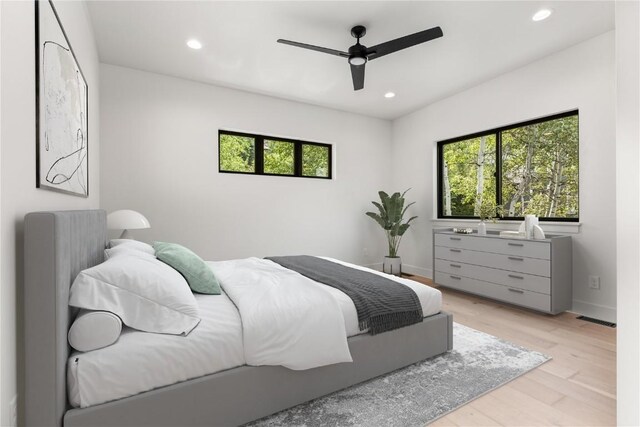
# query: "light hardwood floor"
(576, 388)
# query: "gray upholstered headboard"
(58, 245)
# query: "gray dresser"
(536, 274)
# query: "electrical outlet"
(594, 282)
(13, 412)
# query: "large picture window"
(267, 155)
(526, 168)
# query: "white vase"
(482, 228)
(392, 265)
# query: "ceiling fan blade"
(316, 48)
(357, 74)
(403, 42)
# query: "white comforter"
(287, 319)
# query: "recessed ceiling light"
(542, 14)
(194, 44)
(389, 95)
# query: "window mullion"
(259, 149)
(498, 173)
(440, 155)
(297, 158)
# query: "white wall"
(628, 209)
(160, 157)
(580, 77)
(18, 161)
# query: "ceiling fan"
(358, 54)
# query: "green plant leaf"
(394, 208)
(384, 197)
(407, 207)
(383, 212)
(378, 219)
(402, 229)
(395, 229)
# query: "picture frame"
(62, 108)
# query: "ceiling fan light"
(357, 60)
(194, 44)
(541, 15)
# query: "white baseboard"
(596, 311)
(420, 271)
(377, 266)
(406, 268)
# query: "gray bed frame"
(58, 245)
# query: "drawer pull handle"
(515, 258)
(513, 276)
(455, 238)
(455, 250)
(517, 291)
(455, 265)
(456, 277)
(515, 244)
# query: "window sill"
(547, 226)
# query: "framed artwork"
(62, 127)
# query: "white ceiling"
(482, 39)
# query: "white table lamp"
(126, 220)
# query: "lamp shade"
(126, 219)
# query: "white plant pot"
(392, 265)
(482, 228)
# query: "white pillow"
(122, 246)
(126, 250)
(131, 245)
(94, 329)
(144, 292)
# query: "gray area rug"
(420, 393)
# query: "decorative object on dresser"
(530, 228)
(62, 161)
(538, 232)
(487, 211)
(390, 217)
(533, 274)
(482, 228)
(463, 230)
(126, 220)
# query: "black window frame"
(498, 173)
(259, 154)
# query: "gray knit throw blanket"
(382, 304)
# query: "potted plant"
(390, 217)
(488, 212)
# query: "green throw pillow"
(199, 276)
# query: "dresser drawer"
(516, 263)
(512, 279)
(517, 247)
(511, 295)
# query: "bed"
(58, 245)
